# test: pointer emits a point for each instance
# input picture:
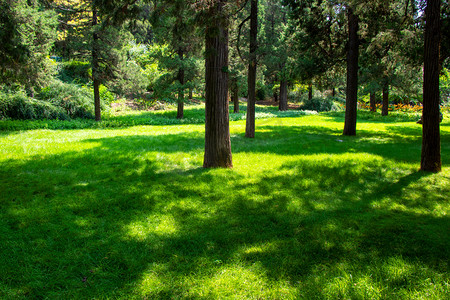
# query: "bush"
(20, 107)
(106, 96)
(75, 71)
(317, 104)
(76, 101)
(262, 91)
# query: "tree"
(318, 38)
(431, 144)
(352, 74)
(275, 49)
(26, 36)
(250, 121)
(94, 28)
(174, 24)
(217, 131)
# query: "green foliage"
(320, 104)
(26, 37)
(75, 71)
(263, 91)
(18, 106)
(76, 101)
(106, 96)
(444, 85)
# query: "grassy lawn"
(124, 210)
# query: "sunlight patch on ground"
(160, 225)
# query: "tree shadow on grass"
(114, 222)
(397, 144)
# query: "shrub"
(20, 107)
(317, 104)
(106, 96)
(75, 71)
(76, 101)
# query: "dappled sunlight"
(161, 225)
(304, 213)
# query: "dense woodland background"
(153, 51)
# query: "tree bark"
(180, 78)
(333, 92)
(431, 140)
(310, 91)
(235, 95)
(385, 107)
(352, 75)
(250, 120)
(95, 68)
(373, 105)
(217, 130)
(190, 94)
(283, 105)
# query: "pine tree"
(431, 144)
(26, 36)
(217, 131)
(250, 120)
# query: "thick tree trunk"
(250, 120)
(385, 107)
(431, 140)
(235, 95)
(180, 78)
(352, 75)
(95, 68)
(373, 105)
(310, 91)
(217, 130)
(283, 105)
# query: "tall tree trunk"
(180, 77)
(191, 94)
(431, 140)
(235, 94)
(217, 128)
(310, 91)
(352, 75)
(333, 92)
(385, 107)
(250, 120)
(275, 96)
(373, 105)
(95, 68)
(283, 105)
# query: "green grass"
(305, 213)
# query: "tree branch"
(239, 38)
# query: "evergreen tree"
(94, 29)
(431, 144)
(27, 34)
(217, 132)
(275, 50)
(250, 120)
(174, 24)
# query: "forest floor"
(122, 209)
